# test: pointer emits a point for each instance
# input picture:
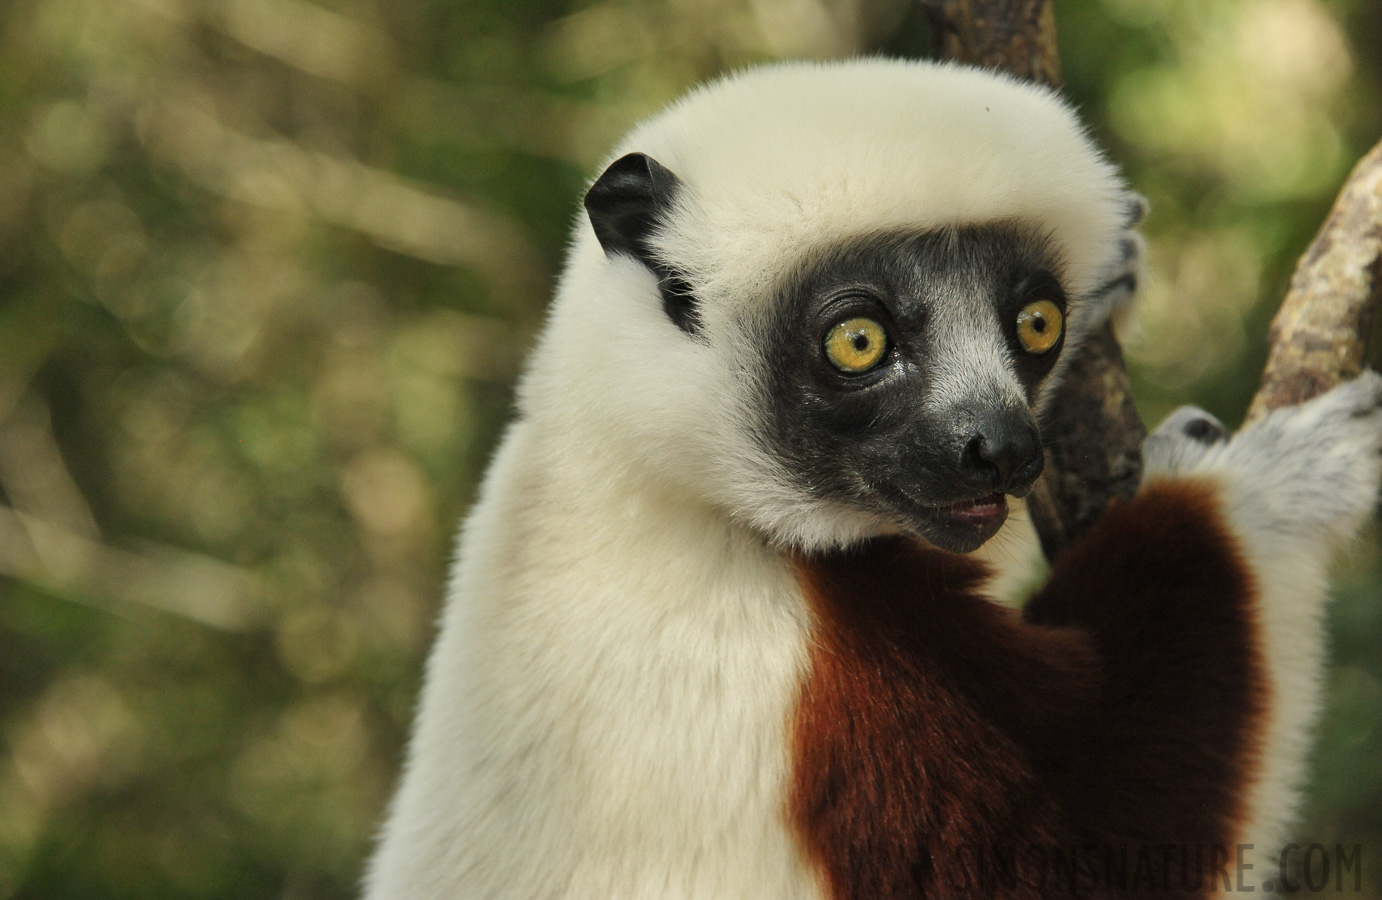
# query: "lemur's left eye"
(1039, 326)
(856, 345)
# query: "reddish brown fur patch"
(940, 737)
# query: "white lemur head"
(826, 299)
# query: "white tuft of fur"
(595, 620)
(1294, 486)
(791, 160)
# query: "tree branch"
(1017, 36)
(1319, 336)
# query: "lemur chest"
(848, 754)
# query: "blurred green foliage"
(267, 271)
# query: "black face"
(901, 375)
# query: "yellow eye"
(856, 345)
(1039, 326)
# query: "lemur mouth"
(958, 526)
(980, 512)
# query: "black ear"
(626, 204)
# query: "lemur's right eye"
(856, 345)
(1039, 326)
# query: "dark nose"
(1003, 454)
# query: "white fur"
(604, 611)
(790, 160)
(1294, 486)
(606, 708)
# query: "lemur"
(713, 629)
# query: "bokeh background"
(267, 271)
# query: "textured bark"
(1093, 438)
(1017, 36)
(1093, 432)
(1319, 336)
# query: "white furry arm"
(1292, 487)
